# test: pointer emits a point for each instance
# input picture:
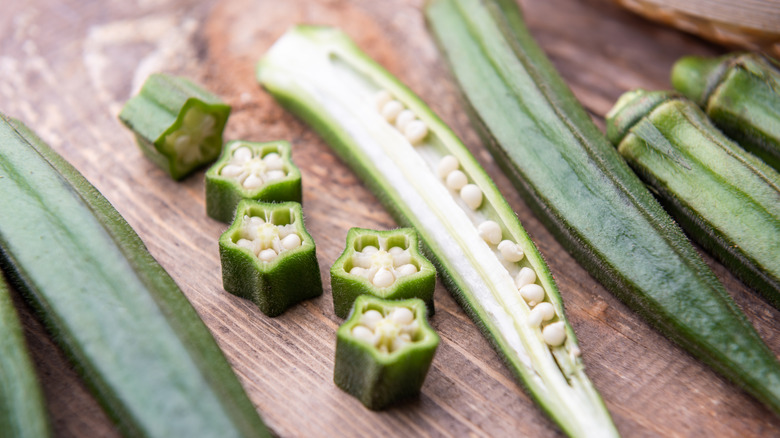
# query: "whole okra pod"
(725, 198)
(741, 94)
(582, 189)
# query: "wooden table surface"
(66, 68)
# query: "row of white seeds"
(404, 119)
(456, 179)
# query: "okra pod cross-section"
(429, 181)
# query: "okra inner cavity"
(381, 261)
(268, 236)
(252, 170)
(388, 330)
(189, 141)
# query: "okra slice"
(268, 257)
(727, 199)
(741, 94)
(429, 181)
(177, 124)
(385, 264)
(384, 350)
(248, 170)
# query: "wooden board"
(67, 66)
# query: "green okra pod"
(137, 341)
(429, 180)
(741, 94)
(177, 124)
(384, 350)
(578, 185)
(248, 170)
(725, 198)
(386, 264)
(268, 257)
(22, 409)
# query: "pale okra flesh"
(428, 180)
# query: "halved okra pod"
(741, 94)
(429, 181)
(22, 409)
(248, 170)
(384, 350)
(585, 193)
(727, 199)
(177, 124)
(386, 264)
(268, 257)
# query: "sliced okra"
(384, 350)
(177, 124)
(386, 264)
(247, 170)
(268, 257)
(429, 180)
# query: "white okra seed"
(357, 270)
(403, 119)
(446, 165)
(402, 316)
(490, 232)
(415, 131)
(391, 110)
(532, 294)
(363, 333)
(383, 278)
(541, 312)
(554, 334)
(242, 153)
(267, 255)
(207, 125)
(253, 181)
(275, 175)
(381, 98)
(369, 249)
(371, 318)
(407, 269)
(456, 180)
(395, 251)
(510, 251)
(273, 161)
(291, 241)
(471, 195)
(524, 277)
(231, 171)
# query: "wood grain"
(67, 66)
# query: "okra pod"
(385, 264)
(248, 170)
(268, 257)
(741, 94)
(580, 187)
(725, 198)
(428, 180)
(384, 350)
(177, 124)
(22, 410)
(132, 334)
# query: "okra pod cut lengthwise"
(587, 196)
(139, 344)
(428, 180)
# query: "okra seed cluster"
(455, 179)
(252, 170)
(404, 119)
(389, 332)
(267, 240)
(541, 311)
(382, 267)
(186, 141)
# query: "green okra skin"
(725, 198)
(249, 170)
(374, 366)
(22, 408)
(272, 281)
(381, 272)
(177, 124)
(417, 171)
(132, 334)
(741, 94)
(577, 183)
